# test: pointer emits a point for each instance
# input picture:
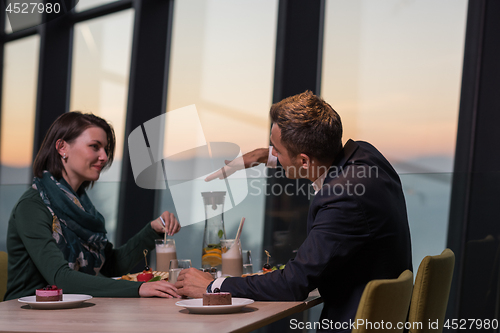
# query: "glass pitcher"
(211, 255)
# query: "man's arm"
(248, 160)
(338, 232)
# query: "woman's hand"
(158, 288)
(172, 226)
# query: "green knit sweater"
(35, 260)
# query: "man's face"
(291, 165)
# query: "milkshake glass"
(164, 253)
(232, 262)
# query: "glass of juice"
(165, 251)
(232, 261)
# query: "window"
(17, 124)
(392, 70)
(18, 110)
(87, 4)
(223, 62)
(27, 15)
(99, 85)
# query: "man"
(357, 222)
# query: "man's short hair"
(309, 125)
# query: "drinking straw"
(238, 233)
(165, 234)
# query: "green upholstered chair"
(3, 274)
(385, 300)
(431, 292)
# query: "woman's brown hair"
(68, 127)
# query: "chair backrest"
(3, 274)
(431, 292)
(384, 302)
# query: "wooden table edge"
(313, 300)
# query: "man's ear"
(305, 161)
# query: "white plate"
(196, 305)
(69, 301)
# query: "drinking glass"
(165, 251)
(232, 263)
(247, 261)
(176, 266)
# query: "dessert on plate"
(49, 294)
(217, 299)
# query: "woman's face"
(86, 156)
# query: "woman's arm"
(44, 263)
(33, 224)
(122, 259)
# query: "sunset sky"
(391, 69)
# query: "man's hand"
(248, 160)
(172, 226)
(193, 282)
(158, 288)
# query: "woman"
(55, 234)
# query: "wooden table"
(143, 315)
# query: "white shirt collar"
(318, 183)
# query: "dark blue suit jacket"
(357, 231)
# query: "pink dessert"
(49, 294)
(217, 299)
